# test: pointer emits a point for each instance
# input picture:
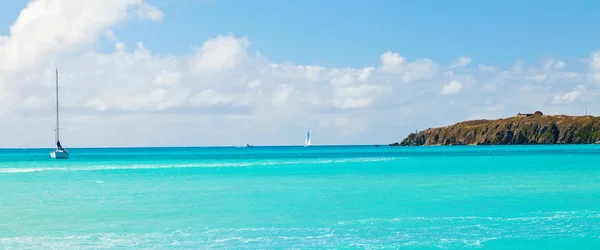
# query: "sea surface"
(352, 197)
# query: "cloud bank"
(226, 92)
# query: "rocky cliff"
(535, 129)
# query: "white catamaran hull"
(59, 155)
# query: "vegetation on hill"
(521, 130)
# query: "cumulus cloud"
(595, 65)
(146, 11)
(569, 97)
(451, 88)
(46, 27)
(226, 92)
(419, 69)
(347, 126)
(220, 53)
(461, 62)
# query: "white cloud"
(209, 98)
(226, 93)
(120, 47)
(146, 11)
(451, 88)
(497, 107)
(347, 126)
(490, 86)
(419, 69)
(595, 65)
(461, 62)
(550, 64)
(392, 62)
(488, 68)
(220, 53)
(569, 97)
(46, 27)
(167, 78)
(365, 73)
(517, 67)
(282, 95)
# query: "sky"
(230, 72)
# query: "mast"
(57, 133)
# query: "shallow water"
(493, 197)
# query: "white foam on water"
(547, 216)
(453, 232)
(198, 165)
(29, 170)
(476, 231)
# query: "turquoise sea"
(351, 197)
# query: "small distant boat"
(307, 141)
(247, 145)
(59, 152)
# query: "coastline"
(523, 129)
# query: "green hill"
(520, 130)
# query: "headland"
(523, 129)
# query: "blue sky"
(350, 33)
(352, 72)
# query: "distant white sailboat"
(59, 152)
(307, 141)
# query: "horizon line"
(209, 146)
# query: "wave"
(538, 216)
(452, 232)
(196, 165)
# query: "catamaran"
(307, 141)
(59, 152)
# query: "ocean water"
(361, 197)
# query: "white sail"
(307, 141)
(59, 152)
